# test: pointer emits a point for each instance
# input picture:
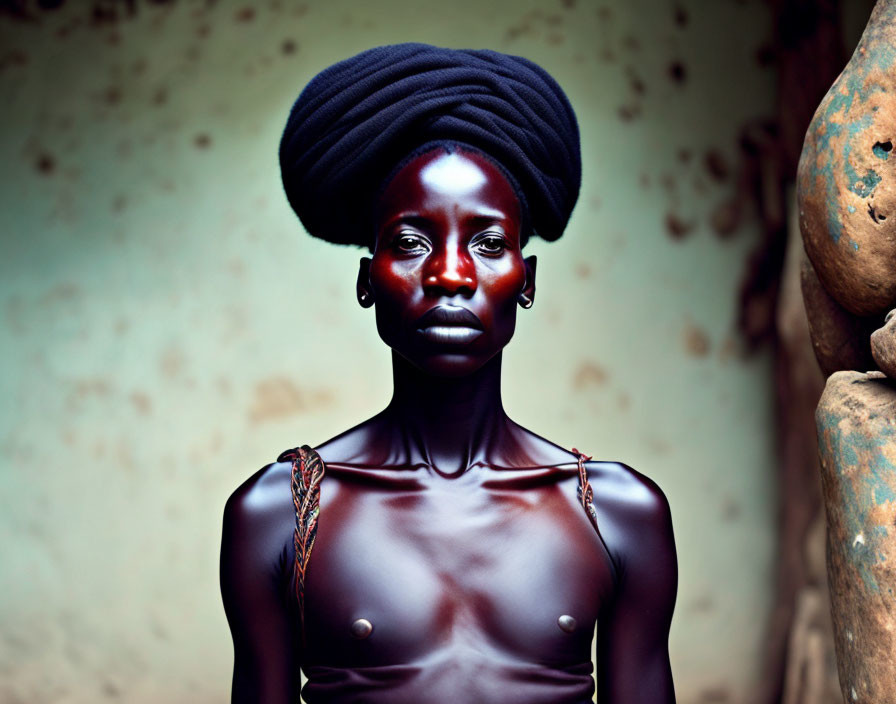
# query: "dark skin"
(453, 530)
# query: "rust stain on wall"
(589, 374)
(278, 397)
(696, 341)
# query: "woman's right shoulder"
(256, 541)
(264, 495)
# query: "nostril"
(449, 280)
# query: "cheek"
(395, 291)
(503, 288)
(507, 281)
(389, 280)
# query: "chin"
(448, 363)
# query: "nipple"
(567, 623)
(361, 628)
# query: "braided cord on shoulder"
(307, 472)
(584, 490)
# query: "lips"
(449, 325)
(449, 316)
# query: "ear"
(363, 288)
(527, 295)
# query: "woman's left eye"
(492, 244)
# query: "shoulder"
(259, 514)
(627, 492)
(634, 517)
(269, 486)
(256, 568)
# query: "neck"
(447, 423)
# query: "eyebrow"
(489, 219)
(408, 218)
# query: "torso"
(464, 581)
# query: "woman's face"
(447, 271)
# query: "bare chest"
(415, 570)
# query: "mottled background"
(166, 327)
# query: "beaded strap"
(307, 472)
(584, 490)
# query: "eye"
(491, 244)
(409, 243)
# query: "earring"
(365, 299)
(525, 301)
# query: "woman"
(440, 552)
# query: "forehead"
(438, 179)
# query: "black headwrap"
(360, 117)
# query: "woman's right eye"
(408, 243)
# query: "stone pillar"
(846, 185)
(856, 420)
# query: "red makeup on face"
(447, 267)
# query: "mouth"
(453, 325)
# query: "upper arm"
(253, 577)
(633, 629)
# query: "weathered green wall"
(153, 285)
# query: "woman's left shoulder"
(636, 524)
(626, 492)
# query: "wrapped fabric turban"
(357, 119)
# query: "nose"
(450, 270)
